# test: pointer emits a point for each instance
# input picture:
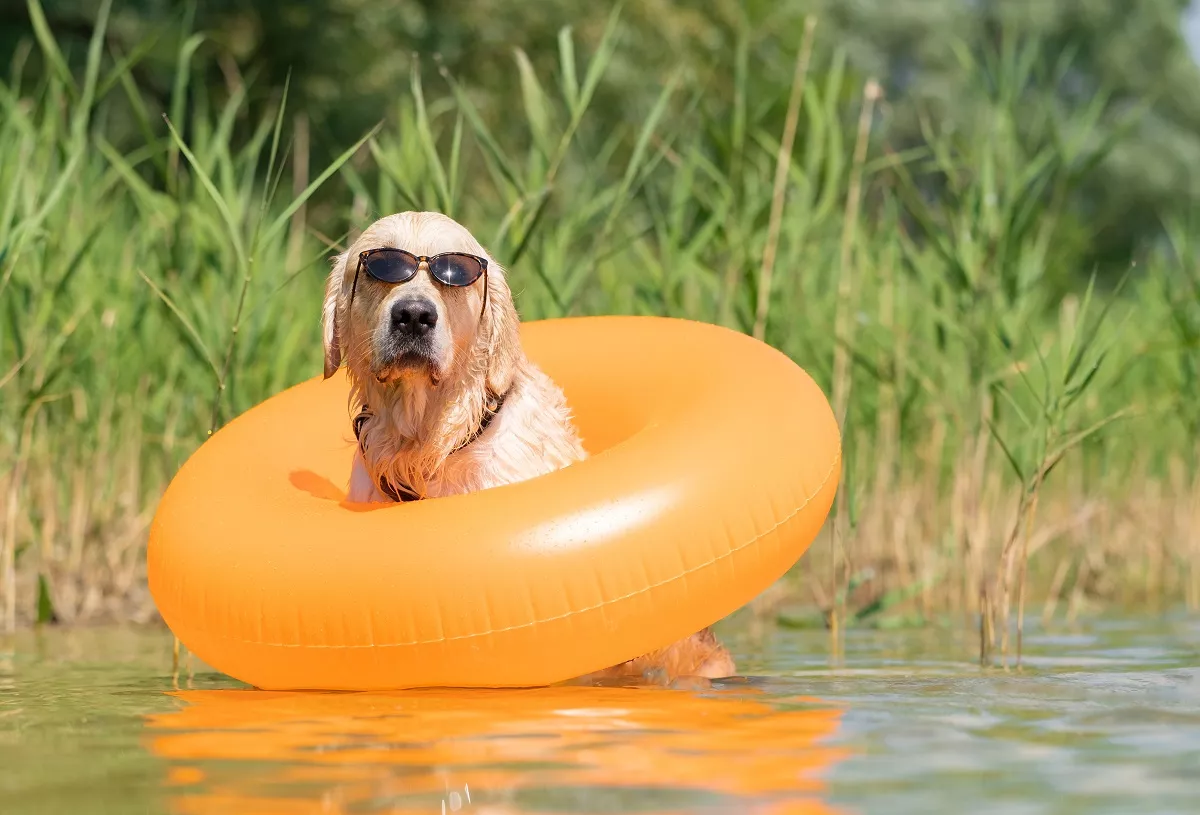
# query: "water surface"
(1103, 718)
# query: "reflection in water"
(567, 749)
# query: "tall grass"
(151, 292)
(133, 322)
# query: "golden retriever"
(424, 321)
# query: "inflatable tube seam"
(542, 621)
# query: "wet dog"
(423, 319)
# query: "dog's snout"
(414, 316)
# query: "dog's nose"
(414, 316)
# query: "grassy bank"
(1017, 436)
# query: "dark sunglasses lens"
(391, 267)
(456, 270)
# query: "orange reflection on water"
(484, 752)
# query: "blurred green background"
(350, 62)
(971, 220)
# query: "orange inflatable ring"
(714, 462)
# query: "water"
(1104, 718)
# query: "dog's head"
(421, 331)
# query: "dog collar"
(403, 492)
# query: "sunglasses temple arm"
(354, 286)
(353, 289)
(485, 293)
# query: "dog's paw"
(718, 666)
(690, 683)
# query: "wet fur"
(424, 404)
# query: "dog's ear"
(501, 324)
(331, 329)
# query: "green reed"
(152, 290)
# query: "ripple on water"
(1101, 718)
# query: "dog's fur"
(427, 396)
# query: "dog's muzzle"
(409, 344)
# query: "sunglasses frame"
(421, 259)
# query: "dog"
(424, 321)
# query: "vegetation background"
(973, 222)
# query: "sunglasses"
(396, 266)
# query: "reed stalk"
(844, 343)
(779, 186)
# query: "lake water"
(1103, 718)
